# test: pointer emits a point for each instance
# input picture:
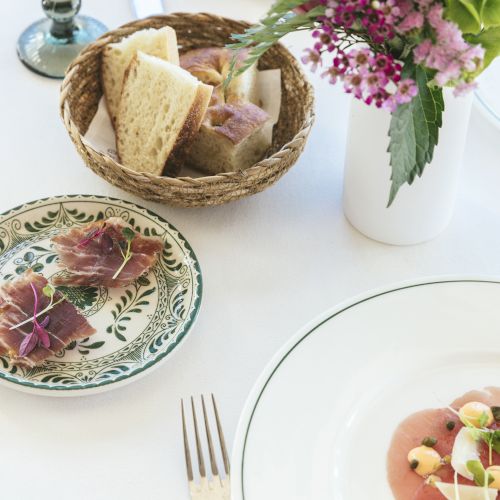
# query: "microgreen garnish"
(95, 233)
(450, 425)
(490, 437)
(38, 335)
(429, 441)
(49, 291)
(483, 419)
(481, 477)
(126, 251)
(496, 413)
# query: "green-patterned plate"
(137, 327)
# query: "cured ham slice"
(17, 302)
(404, 482)
(94, 254)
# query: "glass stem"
(62, 13)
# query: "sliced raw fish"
(404, 482)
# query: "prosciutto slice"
(93, 254)
(17, 301)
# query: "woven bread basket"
(81, 91)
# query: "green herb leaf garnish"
(127, 252)
(483, 419)
(496, 413)
(48, 290)
(128, 233)
(475, 467)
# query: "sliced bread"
(232, 137)
(211, 65)
(116, 58)
(161, 109)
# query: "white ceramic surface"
(318, 422)
(488, 94)
(421, 211)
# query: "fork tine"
(187, 454)
(201, 462)
(213, 463)
(221, 438)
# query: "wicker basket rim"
(104, 40)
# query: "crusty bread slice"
(232, 137)
(211, 65)
(161, 109)
(116, 58)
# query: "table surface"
(270, 264)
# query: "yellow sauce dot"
(476, 414)
(494, 471)
(428, 460)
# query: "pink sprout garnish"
(38, 335)
(95, 233)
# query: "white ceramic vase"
(420, 211)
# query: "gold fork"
(216, 487)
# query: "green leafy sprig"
(49, 291)
(279, 21)
(127, 253)
(481, 477)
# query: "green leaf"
(490, 40)
(483, 419)
(128, 233)
(465, 13)
(414, 130)
(48, 290)
(475, 467)
(279, 21)
(496, 413)
(490, 13)
(495, 441)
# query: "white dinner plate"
(138, 326)
(318, 422)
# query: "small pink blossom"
(413, 21)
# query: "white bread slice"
(161, 109)
(232, 137)
(116, 58)
(211, 65)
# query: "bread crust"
(189, 130)
(235, 121)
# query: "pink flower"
(312, 57)
(413, 21)
(407, 90)
(464, 88)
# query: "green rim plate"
(137, 326)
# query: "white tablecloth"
(270, 263)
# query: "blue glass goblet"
(49, 45)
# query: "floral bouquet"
(393, 54)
